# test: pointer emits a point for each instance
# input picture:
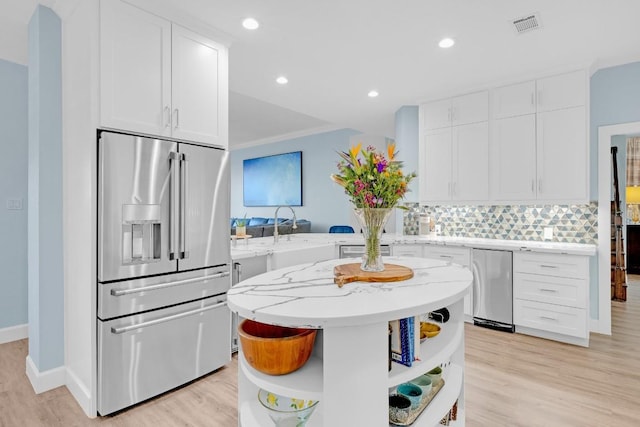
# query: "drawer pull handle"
(176, 316)
(121, 292)
(446, 256)
(548, 266)
(548, 290)
(549, 318)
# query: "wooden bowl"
(275, 350)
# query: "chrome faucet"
(275, 223)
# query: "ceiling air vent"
(527, 23)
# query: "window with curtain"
(633, 162)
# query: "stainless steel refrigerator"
(492, 289)
(163, 266)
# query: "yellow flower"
(298, 403)
(355, 150)
(391, 148)
(272, 399)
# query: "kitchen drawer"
(550, 317)
(558, 265)
(552, 290)
(456, 255)
(407, 250)
(143, 355)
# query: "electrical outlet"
(14, 204)
(438, 229)
(548, 233)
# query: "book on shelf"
(405, 340)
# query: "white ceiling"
(334, 51)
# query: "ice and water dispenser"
(141, 234)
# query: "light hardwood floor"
(511, 380)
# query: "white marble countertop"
(265, 245)
(305, 295)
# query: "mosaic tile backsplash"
(571, 223)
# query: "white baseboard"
(596, 326)
(81, 394)
(45, 381)
(14, 333)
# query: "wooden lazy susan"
(347, 273)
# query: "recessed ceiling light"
(446, 43)
(250, 24)
(373, 93)
(282, 80)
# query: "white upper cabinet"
(514, 100)
(198, 88)
(472, 108)
(435, 166)
(561, 91)
(562, 154)
(539, 147)
(135, 70)
(454, 164)
(160, 79)
(470, 174)
(437, 115)
(513, 158)
(461, 110)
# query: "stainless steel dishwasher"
(493, 289)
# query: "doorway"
(605, 136)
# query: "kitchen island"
(348, 370)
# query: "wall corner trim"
(14, 333)
(47, 380)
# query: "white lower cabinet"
(456, 255)
(407, 250)
(551, 296)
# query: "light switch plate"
(14, 204)
(548, 233)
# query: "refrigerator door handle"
(183, 206)
(173, 203)
(124, 329)
(122, 292)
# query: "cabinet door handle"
(532, 99)
(177, 112)
(446, 256)
(449, 189)
(454, 188)
(548, 290)
(548, 266)
(533, 184)
(168, 111)
(449, 115)
(539, 185)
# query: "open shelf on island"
(305, 383)
(443, 401)
(432, 352)
(253, 414)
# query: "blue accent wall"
(324, 202)
(45, 250)
(407, 144)
(13, 185)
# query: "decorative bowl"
(275, 350)
(428, 330)
(399, 408)
(411, 392)
(435, 374)
(425, 383)
(286, 411)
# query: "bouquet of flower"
(372, 181)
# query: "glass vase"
(372, 221)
